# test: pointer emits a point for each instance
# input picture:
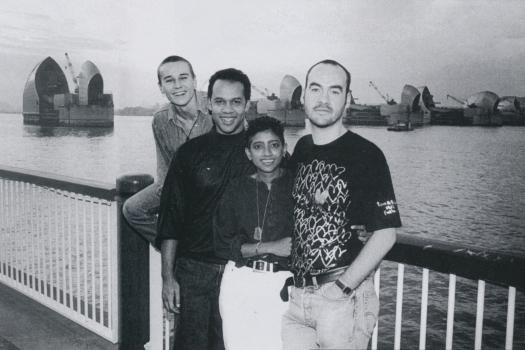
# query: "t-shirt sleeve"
(227, 238)
(380, 201)
(171, 211)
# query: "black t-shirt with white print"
(339, 185)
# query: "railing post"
(133, 270)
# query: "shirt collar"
(172, 112)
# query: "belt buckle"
(302, 282)
(260, 266)
(310, 282)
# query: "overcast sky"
(455, 47)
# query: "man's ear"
(348, 100)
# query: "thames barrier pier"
(48, 100)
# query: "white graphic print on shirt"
(322, 199)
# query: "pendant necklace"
(257, 233)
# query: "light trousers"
(251, 308)
(325, 318)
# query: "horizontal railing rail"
(96, 189)
(496, 267)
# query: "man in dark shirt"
(342, 181)
(194, 184)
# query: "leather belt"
(317, 280)
(310, 280)
(265, 266)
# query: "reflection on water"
(46, 131)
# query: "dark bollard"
(133, 270)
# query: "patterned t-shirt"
(338, 186)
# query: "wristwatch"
(347, 290)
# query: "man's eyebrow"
(336, 87)
(314, 84)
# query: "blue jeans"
(325, 318)
(200, 324)
(141, 209)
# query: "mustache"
(323, 106)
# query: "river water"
(458, 184)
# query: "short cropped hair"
(333, 63)
(175, 59)
(233, 75)
(263, 124)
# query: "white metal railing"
(480, 303)
(511, 308)
(161, 323)
(161, 327)
(60, 249)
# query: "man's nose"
(177, 83)
(324, 97)
(227, 107)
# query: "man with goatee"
(342, 181)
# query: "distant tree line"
(138, 110)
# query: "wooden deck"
(28, 325)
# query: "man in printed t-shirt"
(342, 181)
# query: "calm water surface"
(458, 184)
(453, 183)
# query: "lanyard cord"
(261, 227)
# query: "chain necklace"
(257, 233)
(188, 134)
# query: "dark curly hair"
(231, 74)
(263, 124)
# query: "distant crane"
(259, 91)
(387, 98)
(461, 102)
(72, 72)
